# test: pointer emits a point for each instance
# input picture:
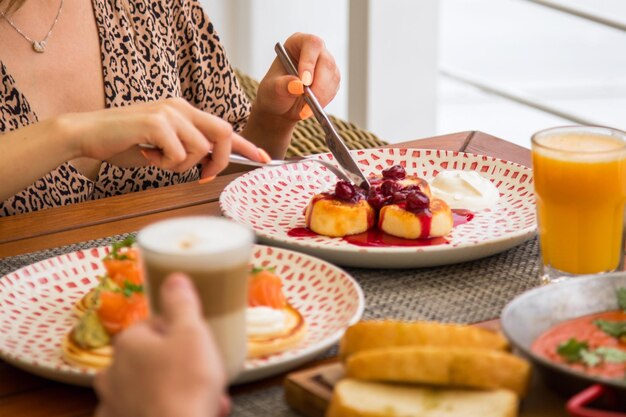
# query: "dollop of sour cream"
(465, 190)
(264, 321)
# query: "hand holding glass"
(215, 253)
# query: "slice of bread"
(442, 366)
(353, 398)
(386, 333)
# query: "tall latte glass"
(215, 253)
(580, 188)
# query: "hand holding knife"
(334, 142)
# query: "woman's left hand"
(280, 94)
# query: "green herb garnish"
(611, 355)
(257, 269)
(612, 328)
(129, 289)
(575, 351)
(590, 358)
(117, 246)
(572, 350)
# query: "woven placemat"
(464, 293)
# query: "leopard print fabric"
(169, 49)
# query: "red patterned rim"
(272, 200)
(36, 303)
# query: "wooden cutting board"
(308, 392)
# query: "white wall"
(396, 95)
(250, 28)
(392, 75)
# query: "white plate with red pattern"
(36, 303)
(272, 201)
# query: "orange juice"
(580, 187)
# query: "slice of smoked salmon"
(126, 269)
(118, 311)
(266, 289)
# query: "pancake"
(84, 303)
(293, 331)
(330, 216)
(73, 354)
(437, 221)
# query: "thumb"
(225, 406)
(179, 300)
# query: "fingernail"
(148, 160)
(207, 179)
(295, 87)
(307, 78)
(306, 112)
(177, 280)
(145, 155)
(264, 156)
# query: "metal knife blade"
(334, 142)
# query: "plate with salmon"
(59, 316)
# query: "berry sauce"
(378, 238)
(461, 216)
(302, 232)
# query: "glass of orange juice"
(580, 190)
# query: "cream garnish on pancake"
(264, 321)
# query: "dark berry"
(389, 187)
(378, 200)
(417, 201)
(360, 193)
(395, 172)
(399, 197)
(345, 191)
(412, 187)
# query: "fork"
(238, 159)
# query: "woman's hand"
(167, 366)
(182, 135)
(279, 103)
(280, 94)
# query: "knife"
(334, 142)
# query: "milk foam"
(188, 242)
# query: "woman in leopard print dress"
(118, 73)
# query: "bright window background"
(561, 61)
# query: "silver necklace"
(38, 46)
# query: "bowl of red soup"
(575, 334)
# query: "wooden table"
(22, 394)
